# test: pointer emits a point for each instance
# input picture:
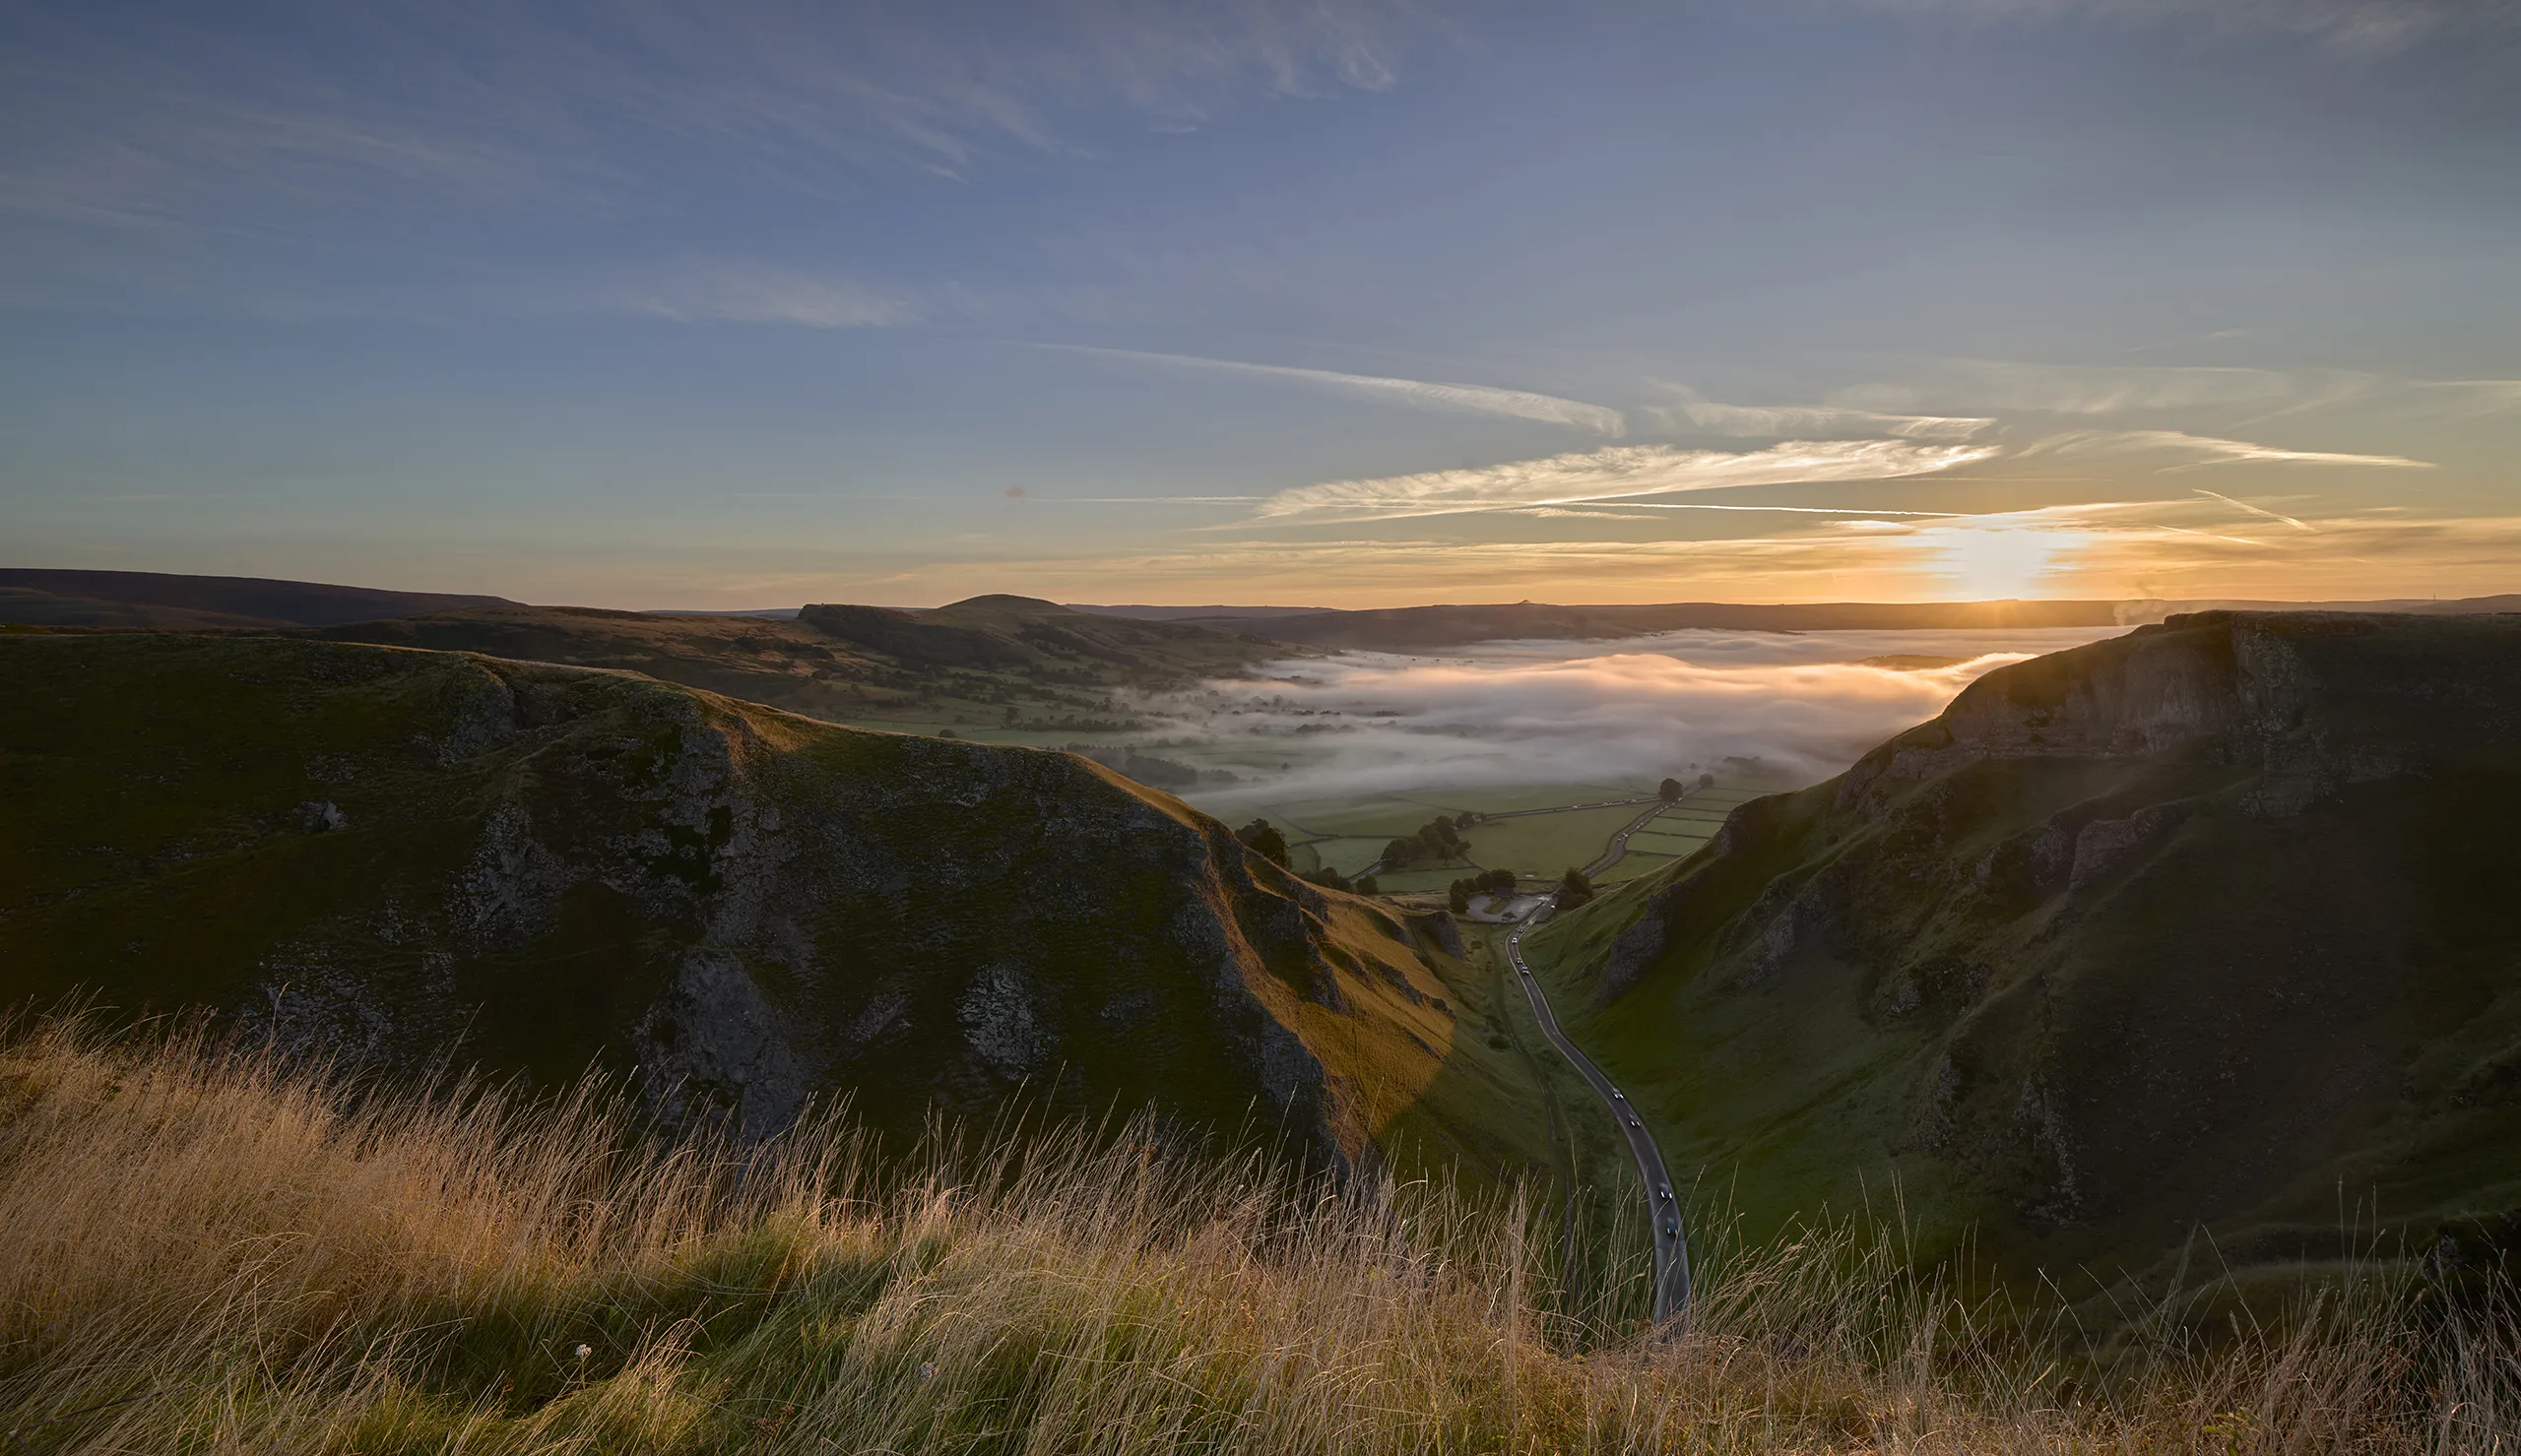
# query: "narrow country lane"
(1618, 848)
(1671, 1242)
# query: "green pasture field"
(1380, 816)
(1346, 854)
(1509, 797)
(1633, 864)
(1546, 844)
(1665, 829)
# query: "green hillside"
(398, 856)
(2211, 924)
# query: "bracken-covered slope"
(2217, 924)
(405, 855)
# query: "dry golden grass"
(203, 1249)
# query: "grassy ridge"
(207, 1250)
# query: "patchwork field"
(1548, 843)
(1632, 865)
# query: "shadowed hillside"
(397, 855)
(2211, 923)
(148, 598)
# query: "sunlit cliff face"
(1790, 707)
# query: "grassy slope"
(2294, 982)
(552, 867)
(208, 1252)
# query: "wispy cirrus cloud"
(1767, 421)
(2187, 452)
(1611, 474)
(2022, 387)
(2354, 26)
(751, 293)
(2257, 510)
(1416, 394)
(2019, 387)
(196, 118)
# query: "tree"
(1670, 791)
(1458, 902)
(1263, 838)
(1707, 781)
(1574, 890)
(1366, 885)
(1437, 839)
(1328, 879)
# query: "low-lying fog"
(1767, 706)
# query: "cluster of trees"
(1331, 879)
(1263, 838)
(1436, 841)
(1486, 882)
(1671, 788)
(1574, 890)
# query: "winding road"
(1617, 849)
(1671, 1242)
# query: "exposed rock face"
(538, 867)
(2186, 926)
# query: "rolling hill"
(148, 598)
(1041, 641)
(1420, 628)
(998, 661)
(750, 658)
(1427, 628)
(398, 856)
(2212, 925)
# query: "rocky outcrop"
(533, 868)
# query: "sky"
(656, 304)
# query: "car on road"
(1664, 1191)
(1633, 1122)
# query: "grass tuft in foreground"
(205, 1249)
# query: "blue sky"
(655, 303)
